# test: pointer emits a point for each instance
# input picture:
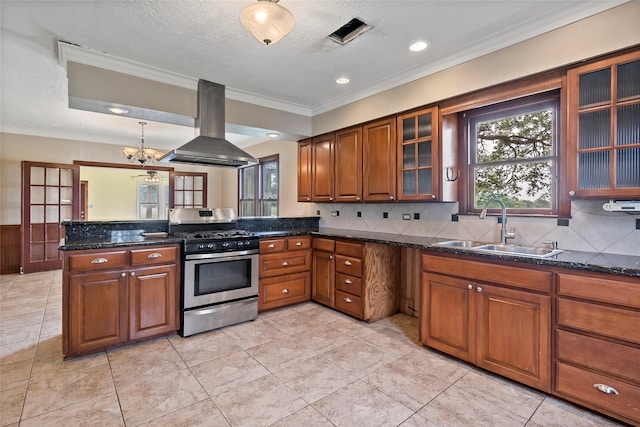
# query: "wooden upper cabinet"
(418, 156)
(322, 158)
(604, 128)
(348, 165)
(379, 160)
(304, 170)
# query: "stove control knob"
(240, 244)
(225, 244)
(211, 246)
(247, 242)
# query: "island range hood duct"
(210, 148)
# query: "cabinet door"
(348, 165)
(322, 168)
(379, 161)
(513, 334)
(152, 301)
(447, 315)
(418, 158)
(97, 311)
(604, 129)
(304, 170)
(323, 278)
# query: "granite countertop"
(118, 242)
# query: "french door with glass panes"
(50, 195)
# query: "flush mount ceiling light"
(142, 154)
(267, 21)
(342, 80)
(117, 110)
(273, 134)
(418, 46)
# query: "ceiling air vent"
(349, 31)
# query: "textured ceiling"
(205, 39)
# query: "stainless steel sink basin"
(514, 250)
(460, 244)
(530, 251)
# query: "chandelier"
(152, 176)
(142, 154)
(267, 21)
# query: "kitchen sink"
(502, 249)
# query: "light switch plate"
(406, 217)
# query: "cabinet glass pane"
(408, 156)
(53, 176)
(628, 131)
(594, 129)
(37, 195)
(37, 175)
(425, 181)
(629, 80)
(66, 177)
(178, 183)
(628, 167)
(198, 183)
(593, 170)
(595, 87)
(188, 183)
(197, 199)
(188, 198)
(408, 129)
(424, 154)
(409, 182)
(424, 126)
(179, 199)
(53, 196)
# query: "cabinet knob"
(433, 196)
(123, 274)
(347, 300)
(271, 245)
(133, 273)
(284, 264)
(99, 260)
(347, 281)
(298, 243)
(479, 289)
(357, 198)
(154, 255)
(606, 389)
(390, 197)
(330, 198)
(330, 256)
(469, 286)
(347, 262)
(572, 193)
(285, 291)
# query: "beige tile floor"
(304, 365)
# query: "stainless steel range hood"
(210, 148)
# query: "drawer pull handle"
(284, 264)
(99, 260)
(154, 255)
(271, 245)
(347, 281)
(347, 262)
(298, 243)
(347, 300)
(606, 389)
(285, 291)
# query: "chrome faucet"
(504, 234)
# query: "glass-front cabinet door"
(418, 168)
(604, 128)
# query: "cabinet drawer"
(284, 290)
(349, 304)
(605, 356)
(272, 245)
(98, 261)
(326, 245)
(348, 265)
(349, 249)
(349, 284)
(607, 321)
(285, 263)
(161, 255)
(614, 291)
(298, 243)
(579, 383)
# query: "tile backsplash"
(590, 228)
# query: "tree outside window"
(513, 155)
(258, 188)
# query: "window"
(189, 189)
(258, 188)
(512, 155)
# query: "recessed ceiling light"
(418, 46)
(342, 80)
(117, 110)
(273, 134)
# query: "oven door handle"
(220, 255)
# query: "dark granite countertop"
(118, 242)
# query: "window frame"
(259, 199)
(549, 99)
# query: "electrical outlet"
(385, 214)
(359, 214)
(406, 217)
(335, 213)
(416, 215)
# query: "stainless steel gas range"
(219, 269)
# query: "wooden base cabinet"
(111, 297)
(487, 319)
(285, 272)
(597, 338)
